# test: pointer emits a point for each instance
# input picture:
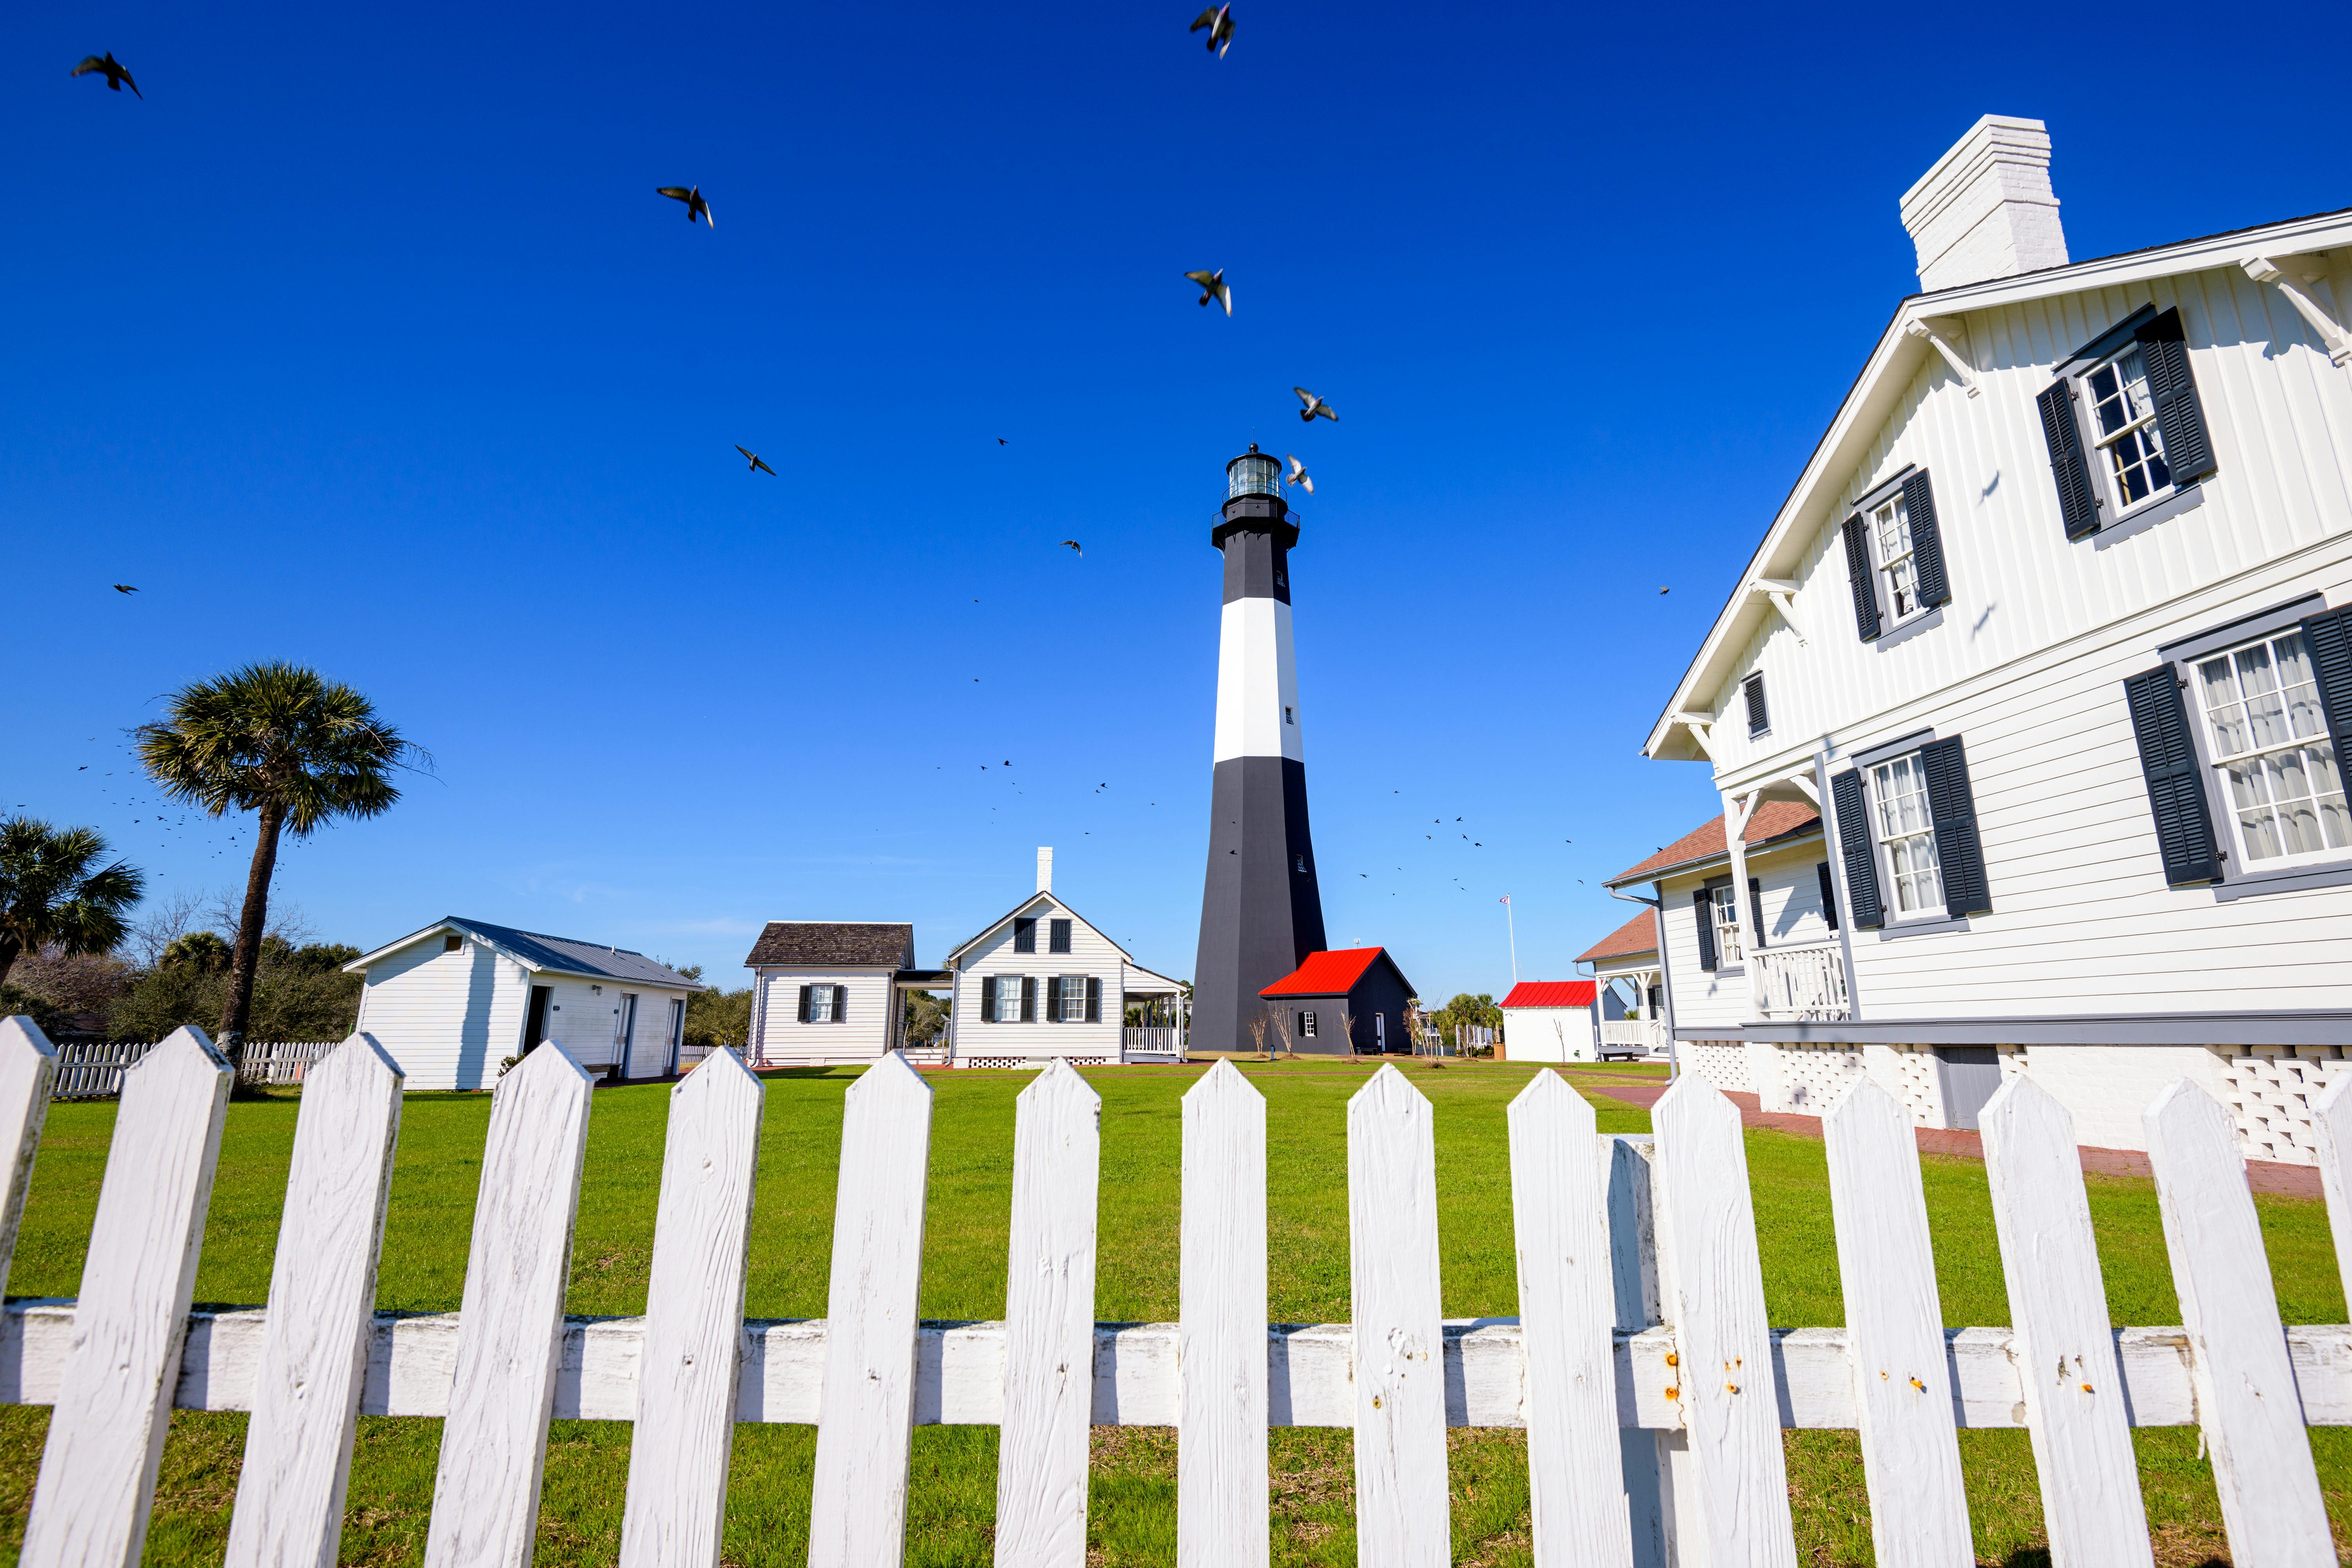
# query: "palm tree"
(50, 895)
(281, 742)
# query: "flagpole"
(1511, 924)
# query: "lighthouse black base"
(1262, 911)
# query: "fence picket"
(1403, 1517)
(2246, 1399)
(97, 1483)
(321, 1318)
(858, 1519)
(1709, 1264)
(2066, 1352)
(1049, 1324)
(1568, 1320)
(684, 1432)
(511, 1318)
(1894, 1329)
(2331, 1120)
(28, 1067)
(1223, 1491)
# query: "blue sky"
(364, 342)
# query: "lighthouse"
(1261, 909)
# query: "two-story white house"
(2056, 630)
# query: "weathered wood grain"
(511, 1318)
(2331, 1121)
(1049, 1324)
(2073, 1389)
(28, 1067)
(2253, 1421)
(1403, 1513)
(1894, 1334)
(97, 1483)
(693, 1341)
(322, 1316)
(1568, 1320)
(1223, 1491)
(858, 1518)
(1710, 1268)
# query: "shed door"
(627, 1033)
(1971, 1076)
(676, 1031)
(534, 1024)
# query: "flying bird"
(1219, 20)
(1074, 544)
(1297, 476)
(763, 468)
(1000, 441)
(124, 588)
(696, 207)
(1315, 406)
(1214, 287)
(117, 76)
(1665, 590)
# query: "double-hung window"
(1890, 551)
(1070, 999)
(1306, 1025)
(820, 1004)
(1726, 910)
(2123, 424)
(2122, 427)
(1907, 833)
(2267, 738)
(1905, 828)
(1894, 555)
(1008, 999)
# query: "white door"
(626, 1033)
(676, 1030)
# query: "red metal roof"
(1332, 973)
(1551, 994)
(1637, 935)
(1773, 819)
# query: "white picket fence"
(1651, 1389)
(89, 1069)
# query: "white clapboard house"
(2056, 628)
(828, 992)
(1631, 999)
(454, 1001)
(1039, 982)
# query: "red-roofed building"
(1350, 999)
(1550, 1021)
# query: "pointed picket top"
(1223, 1488)
(2065, 1348)
(28, 1067)
(1402, 1502)
(1903, 1394)
(1060, 1081)
(1223, 1081)
(1389, 1091)
(2247, 1404)
(2331, 1118)
(1566, 1323)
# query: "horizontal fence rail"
(88, 1069)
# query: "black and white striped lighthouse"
(1262, 911)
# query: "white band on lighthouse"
(1257, 683)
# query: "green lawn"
(1134, 1486)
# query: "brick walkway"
(2264, 1175)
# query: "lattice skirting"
(1910, 1077)
(1722, 1063)
(1036, 1062)
(1815, 1075)
(2271, 1090)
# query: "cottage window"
(820, 1004)
(2123, 416)
(1057, 937)
(1891, 547)
(2270, 743)
(1008, 999)
(1070, 997)
(1725, 907)
(1306, 1025)
(1906, 835)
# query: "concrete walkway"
(2264, 1175)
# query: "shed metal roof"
(538, 950)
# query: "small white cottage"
(453, 1001)
(826, 992)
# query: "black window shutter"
(1053, 998)
(1094, 999)
(1926, 539)
(2175, 781)
(1829, 894)
(1859, 850)
(1703, 906)
(2077, 504)
(2329, 638)
(2179, 416)
(1025, 935)
(1760, 717)
(1028, 998)
(1756, 906)
(1960, 852)
(987, 999)
(1864, 580)
(804, 1004)
(841, 1003)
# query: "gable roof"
(1877, 391)
(1334, 973)
(1636, 936)
(863, 943)
(991, 928)
(1551, 994)
(537, 951)
(1772, 822)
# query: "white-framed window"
(1306, 1025)
(2268, 740)
(820, 1007)
(1072, 996)
(2129, 453)
(1906, 830)
(1890, 551)
(1008, 998)
(1726, 908)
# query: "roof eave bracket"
(2306, 288)
(1939, 335)
(1781, 595)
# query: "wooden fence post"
(28, 1065)
(97, 1485)
(321, 1317)
(2065, 1348)
(1403, 1504)
(1049, 1324)
(858, 1517)
(2246, 1399)
(685, 1433)
(2331, 1120)
(511, 1320)
(1222, 1486)
(1568, 1320)
(1707, 1236)
(1894, 1334)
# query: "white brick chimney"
(1045, 867)
(1986, 209)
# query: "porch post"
(1735, 815)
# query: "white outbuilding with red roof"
(1551, 1021)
